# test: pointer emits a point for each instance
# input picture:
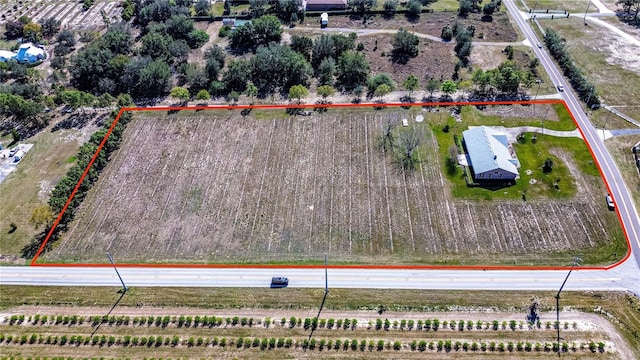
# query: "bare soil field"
(435, 59)
(219, 187)
(69, 13)
(500, 29)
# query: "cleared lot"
(224, 188)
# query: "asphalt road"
(620, 193)
(623, 277)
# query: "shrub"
(396, 345)
(380, 345)
(410, 324)
(413, 345)
(436, 324)
(331, 321)
(354, 344)
(422, 345)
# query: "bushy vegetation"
(585, 89)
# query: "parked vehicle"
(610, 203)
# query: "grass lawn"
(531, 155)
(44, 165)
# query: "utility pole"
(585, 13)
(538, 81)
(576, 260)
(124, 287)
(605, 123)
(324, 298)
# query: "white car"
(539, 46)
(560, 88)
(610, 203)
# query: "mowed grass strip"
(234, 189)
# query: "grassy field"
(622, 310)
(572, 6)
(603, 56)
(289, 190)
(28, 187)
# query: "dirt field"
(500, 29)
(222, 188)
(69, 13)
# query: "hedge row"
(65, 186)
(307, 323)
(313, 344)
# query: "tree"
(374, 82)
(203, 95)
(447, 33)
(382, 90)
(466, 6)
(155, 46)
(180, 93)
(258, 8)
(408, 142)
(414, 9)
(302, 45)
(32, 32)
(154, 79)
(448, 87)
(179, 26)
(13, 30)
(215, 57)
(203, 7)
(41, 215)
(353, 69)
(387, 142)
(390, 7)
(489, 9)
(405, 46)
(251, 91)
(298, 92)
(50, 26)
(411, 84)
(362, 6)
(267, 29)
(237, 74)
(463, 45)
(278, 67)
(323, 47)
(326, 71)
(197, 38)
(325, 91)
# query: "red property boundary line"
(283, 266)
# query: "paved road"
(619, 191)
(624, 277)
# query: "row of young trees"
(583, 87)
(306, 344)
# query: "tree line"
(585, 88)
(66, 185)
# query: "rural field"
(220, 187)
(69, 13)
(235, 323)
